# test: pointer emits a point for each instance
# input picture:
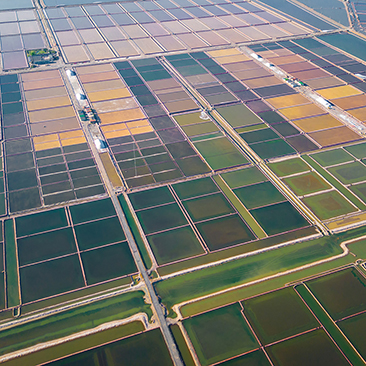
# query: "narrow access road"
(156, 307)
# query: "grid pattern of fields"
(196, 217)
(318, 128)
(286, 326)
(226, 184)
(70, 248)
(46, 155)
(314, 189)
(97, 32)
(20, 31)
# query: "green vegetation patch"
(332, 157)
(243, 212)
(358, 248)
(238, 115)
(78, 345)
(255, 358)
(39, 222)
(220, 334)
(108, 262)
(260, 194)
(349, 173)
(50, 278)
(96, 233)
(306, 183)
(278, 315)
(92, 211)
(288, 167)
(243, 177)
(194, 188)
(329, 325)
(188, 118)
(146, 349)
(335, 183)
(11, 265)
(44, 246)
(135, 231)
(342, 293)
(192, 165)
(176, 244)
(200, 128)
(161, 218)
(354, 329)
(151, 197)
(251, 128)
(207, 207)
(359, 150)
(314, 348)
(359, 190)
(272, 149)
(2, 291)
(220, 153)
(279, 218)
(73, 321)
(182, 345)
(213, 279)
(328, 204)
(225, 232)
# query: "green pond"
(358, 150)
(259, 135)
(278, 315)
(271, 149)
(224, 232)
(192, 165)
(332, 157)
(107, 263)
(50, 278)
(146, 349)
(24, 199)
(176, 244)
(342, 293)
(306, 183)
(243, 177)
(220, 153)
(289, 167)
(260, 194)
(220, 334)
(96, 233)
(359, 190)
(194, 188)
(151, 197)
(255, 358)
(349, 173)
(314, 348)
(39, 222)
(328, 205)
(92, 211)
(238, 115)
(44, 246)
(208, 207)
(161, 218)
(278, 218)
(354, 329)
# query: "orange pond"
(317, 123)
(334, 136)
(302, 111)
